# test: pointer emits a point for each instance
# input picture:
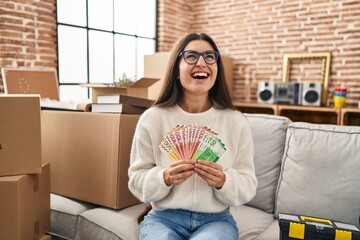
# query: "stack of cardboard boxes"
(24, 177)
(90, 152)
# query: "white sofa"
(302, 168)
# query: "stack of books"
(117, 103)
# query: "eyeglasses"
(191, 56)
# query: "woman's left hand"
(211, 172)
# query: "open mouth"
(200, 75)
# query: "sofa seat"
(64, 216)
(252, 222)
(110, 224)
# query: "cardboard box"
(142, 88)
(25, 205)
(20, 134)
(45, 237)
(155, 66)
(89, 155)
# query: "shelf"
(256, 108)
(322, 115)
(350, 116)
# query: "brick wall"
(27, 34)
(175, 19)
(257, 34)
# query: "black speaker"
(265, 92)
(311, 94)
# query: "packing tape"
(36, 182)
(36, 229)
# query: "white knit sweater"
(148, 162)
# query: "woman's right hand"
(179, 171)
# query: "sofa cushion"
(251, 221)
(271, 233)
(64, 215)
(320, 173)
(110, 224)
(269, 139)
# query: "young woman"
(190, 197)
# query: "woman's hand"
(211, 172)
(179, 171)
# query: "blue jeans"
(176, 224)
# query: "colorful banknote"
(192, 142)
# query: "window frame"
(114, 34)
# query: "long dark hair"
(172, 91)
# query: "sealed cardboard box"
(155, 66)
(89, 155)
(143, 88)
(25, 205)
(20, 134)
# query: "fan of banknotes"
(192, 142)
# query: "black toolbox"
(293, 227)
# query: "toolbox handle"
(321, 220)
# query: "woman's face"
(198, 78)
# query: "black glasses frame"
(217, 54)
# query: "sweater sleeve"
(146, 180)
(240, 185)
